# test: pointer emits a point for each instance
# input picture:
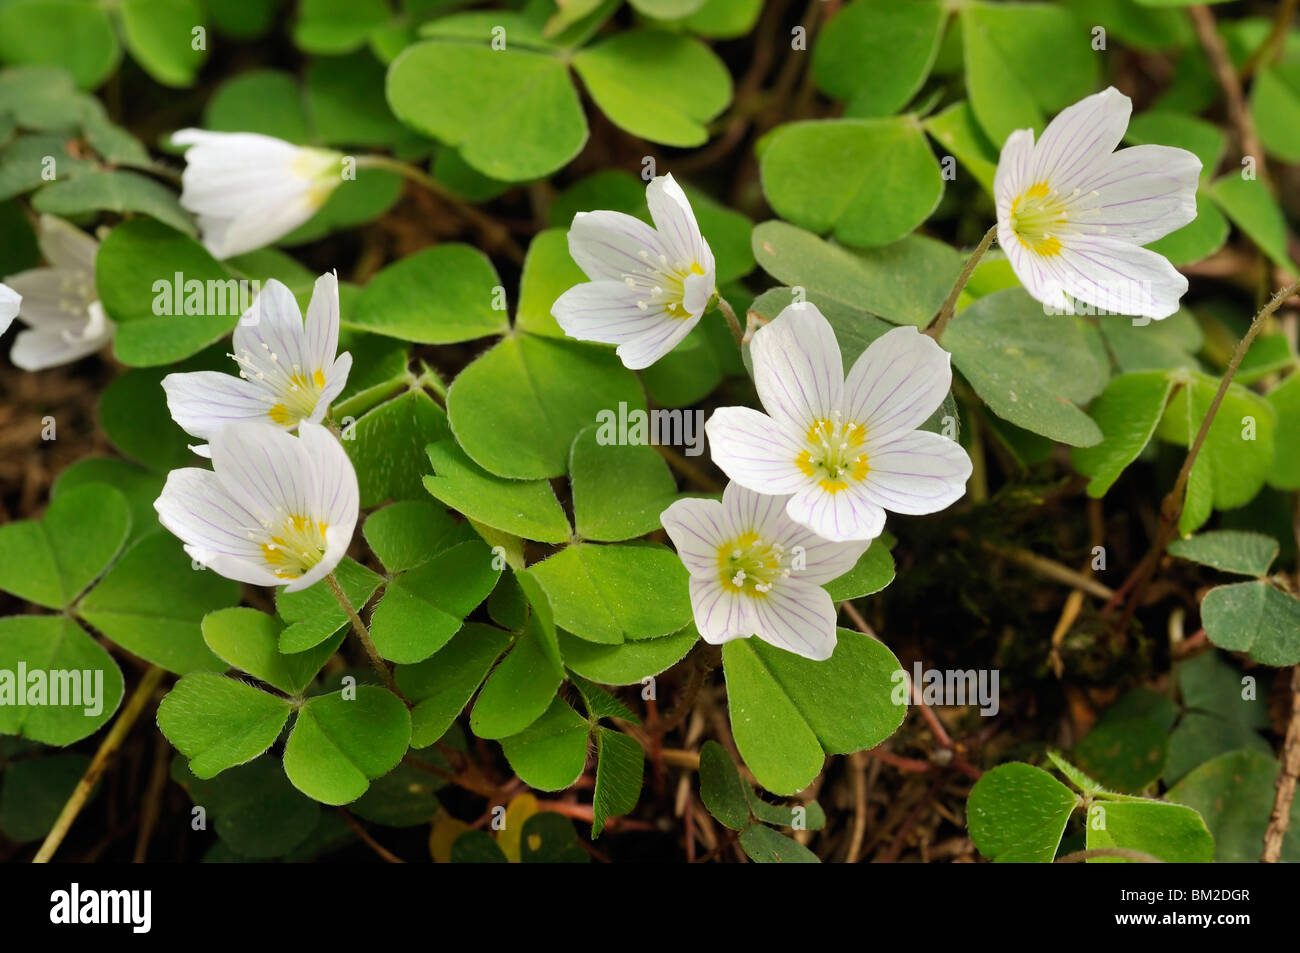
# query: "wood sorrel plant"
(927, 450)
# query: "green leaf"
(517, 408)
(1199, 738)
(620, 769)
(627, 663)
(339, 745)
(1126, 748)
(422, 609)
(788, 713)
(1168, 128)
(260, 100)
(904, 283)
(1127, 413)
(868, 181)
(1152, 346)
(513, 114)
(127, 269)
(52, 560)
(660, 86)
(1275, 108)
(549, 271)
(618, 490)
(526, 508)
(1208, 683)
(1234, 793)
(340, 93)
(73, 34)
(476, 847)
(139, 486)
(253, 807)
(551, 752)
(1023, 60)
(337, 26)
(314, 614)
(1017, 814)
(599, 592)
(1285, 400)
(518, 691)
(135, 417)
(402, 798)
(159, 35)
(152, 603)
(958, 131)
(250, 641)
(1027, 374)
(411, 532)
(441, 295)
(1229, 550)
(724, 19)
(117, 191)
(549, 838)
(218, 722)
(1254, 210)
(721, 788)
(765, 846)
(33, 792)
(387, 445)
(877, 54)
(872, 572)
(1237, 454)
(1254, 617)
(1172, 832)
(53, 644)
(442, 686)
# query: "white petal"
(202, 402)
(797, 368)
(799, 618)
(697, 530)
(841, 516)
(36, 349)
(336, 378)
(54, 298)
(610, 312)
(266, 470)
(336, 494)
(217, 531)
(898, 382)
(721, 615)
(271, 335)
(754, 452)
(745, 511)
(916, 473)
(1014, 165)
(675, 221)
(1143, 193)
(823, 559)
(9, 302)
(1080, 139)
(322, 324)
(65, 246)
(1118, 277)
(610, 245)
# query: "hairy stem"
(940, 322)
(363, 634)
(733, 322)
(107, 748)
(1280, 820)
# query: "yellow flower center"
(1036, 216)
(323, 170)
(751, 565)
(663, 283)
(298, 545)
(835, 454)
(300, 398)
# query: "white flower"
(60, 305)
(275, 508)
(1073, 213)
(844, 451)
(287, 369)
(756, 572)
(649, 286)
(9, 303)
(249, 190)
